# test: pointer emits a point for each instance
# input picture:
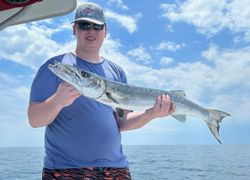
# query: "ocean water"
(222, 162)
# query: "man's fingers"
(76, 95)
(171, 109)
(167, 107)
(67, 87)
(73, 90)
(158, 102)
(165, 101)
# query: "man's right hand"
(66, 94)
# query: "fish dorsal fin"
(178, 93)
(180, 117)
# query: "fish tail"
(216, 116)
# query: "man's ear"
(106, 29)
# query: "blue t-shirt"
(84, 134)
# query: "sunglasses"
(87, 26)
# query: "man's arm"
(133, 120)
(43, 113)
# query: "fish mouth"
(64, 71)
(55, 66)
(59, 67)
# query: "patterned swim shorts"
(96, 173)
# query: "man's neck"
(92, 56)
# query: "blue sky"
(202, 47)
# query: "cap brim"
(89, 20)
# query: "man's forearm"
(134, 120)
(42, 114)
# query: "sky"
(199, 46)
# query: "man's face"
(89, 35)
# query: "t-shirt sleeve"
(44, 84)
(117, 71)
(123, 76)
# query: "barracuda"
(129, 97)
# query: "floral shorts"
(96, 173)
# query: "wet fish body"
(130, 97)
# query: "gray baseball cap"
(90, 12)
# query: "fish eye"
(85, 74)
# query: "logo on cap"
(88, 11)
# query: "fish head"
(66, 72)
(85, 82)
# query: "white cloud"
(247, 36)
(14, 98)
(140, 55)
(231, 66)
(128, 22)
(112, 50)
(236, 104)
(5, 78)
(118, 3)
(211, 16)
(166, 61)
(30, 45)
(22, 92)
(170, 46)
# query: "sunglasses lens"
(84, 26)
(87, 26)
(98, 27)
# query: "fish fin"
(119, 111)
(216, 117)
(111, 98)
(179, 93)
(180, 117)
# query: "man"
(82, 136)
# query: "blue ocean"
(222, 162)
